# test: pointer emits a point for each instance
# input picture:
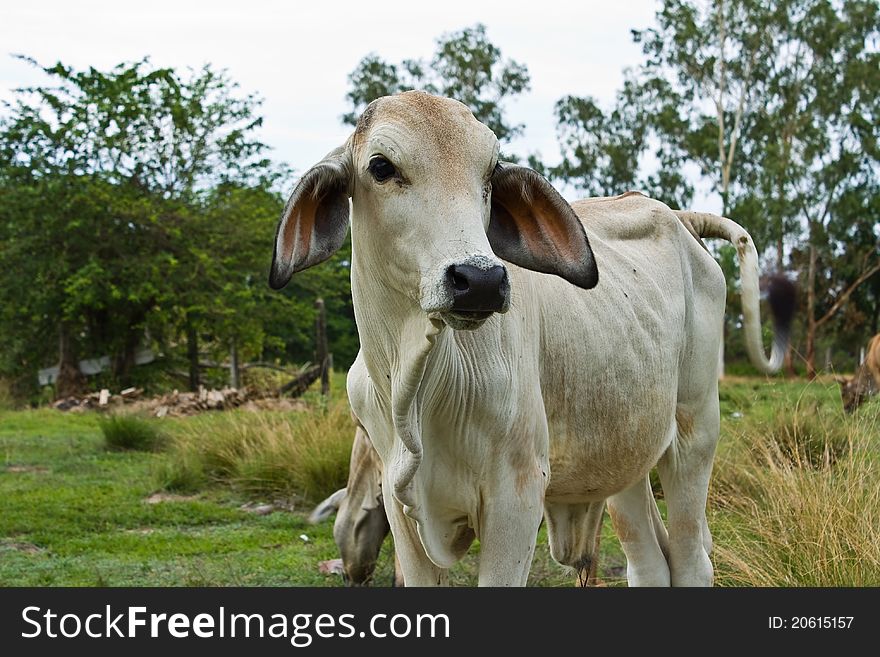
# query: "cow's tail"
(780, 291)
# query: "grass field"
(794, 499)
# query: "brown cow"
(866, 382)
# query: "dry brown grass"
(796, 502)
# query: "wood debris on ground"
(178, 403)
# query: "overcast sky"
(297, 55)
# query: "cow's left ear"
(534, 227)
(315, 219)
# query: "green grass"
(75, 514)
(793, 501)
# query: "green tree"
(132, 199)
(601, 150)
(776, 106)
(465, 66)
(811, 165)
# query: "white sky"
(297, 55)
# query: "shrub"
(130, 432)
(299, 455)
(7, 399)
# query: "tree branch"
(737, 118)
(846, 293)
(719, 104)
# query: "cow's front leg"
(508, 529)
(417, 568)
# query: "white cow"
(494, 393)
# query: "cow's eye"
(381, 169)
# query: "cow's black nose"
(478, 290)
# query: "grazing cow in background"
(361, 523)
(866, 382)
(495, 392)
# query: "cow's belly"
(591, 463)
(607, 428)
(610, 373)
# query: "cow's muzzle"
(477, 291)
(465, 292)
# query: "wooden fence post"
(321, 356)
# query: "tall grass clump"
(130, 432)
(301, 455)
(795, 501)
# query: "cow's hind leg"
(642, 535)
(685, 469)
(417, 568)
(574, 531)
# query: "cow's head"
(433, 211)
(361, 524)
(853, 392)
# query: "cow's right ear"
(328, 507)
(315, 220)
(841, 380)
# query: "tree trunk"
(811, 315)
(788, 363)
(234, 377)
(192, 352)
(876, 317)
(70, 381)
(123, 361)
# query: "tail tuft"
(782, 296)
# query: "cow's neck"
(397, 342)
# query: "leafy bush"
(7, 399)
